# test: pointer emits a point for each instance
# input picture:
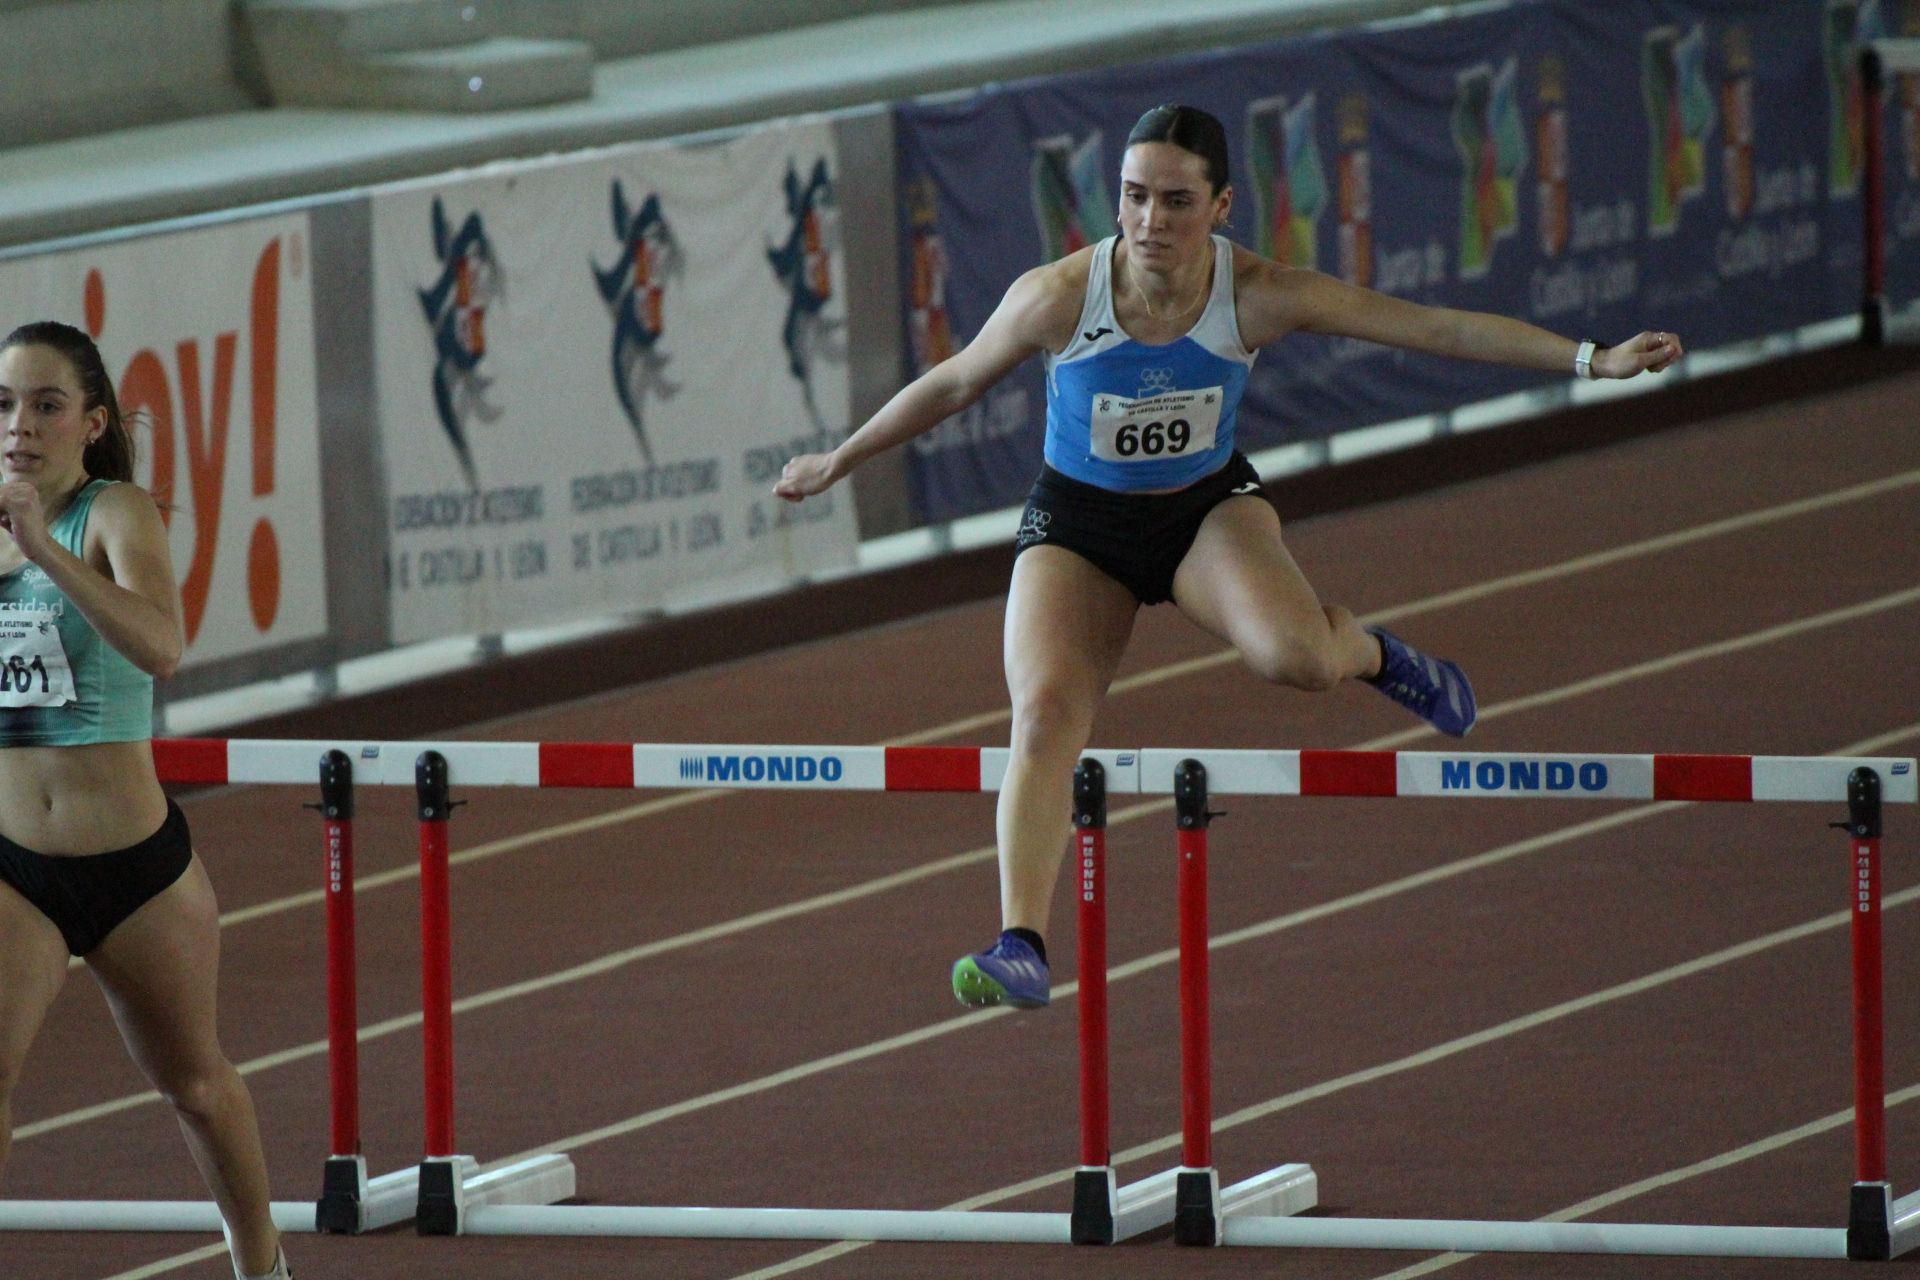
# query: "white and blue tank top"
(1126, 416)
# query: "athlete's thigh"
(1239, 580)
(33, 968)
(159, 970)
(1067, 623)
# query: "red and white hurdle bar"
(1137, 772)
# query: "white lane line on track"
(1869, 745)
(1172, 671)
(608, 963)
(1411, 1062)
(1672, 1177)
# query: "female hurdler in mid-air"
(1147, 338)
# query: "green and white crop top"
(61, 685)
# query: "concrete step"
(366, 26)
(412, 55)
(489, 75)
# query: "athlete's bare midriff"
(82, 799)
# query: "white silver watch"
(1583, 361)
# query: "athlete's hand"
(1642, 353)
(806, 475)
(22, 516)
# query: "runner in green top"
(95, 861)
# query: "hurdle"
(349, 1202)
(1263, 1210)
(1878, 1226)
(450, 1200)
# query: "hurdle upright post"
(440, 1200)
(1196, 1217)
(343, 1187)
(1094, 1187)
(1870, 1208)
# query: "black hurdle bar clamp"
(343, 1184)
(1870, 1210)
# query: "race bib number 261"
(1172, 425)
(33, 664)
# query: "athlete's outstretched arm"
(1276, 300)
(1027, 321)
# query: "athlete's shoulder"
(1048, 299)
(1255, 272)
(123, 496)
(1268, 296)
(122, 508)
(1062, 281)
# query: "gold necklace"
(1206, 282)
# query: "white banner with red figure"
(590, 371)
(208, 335)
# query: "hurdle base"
(1203, 1207)
(1280, 1192)
(1459, 1235)
(1906, 1225)
(1106, 1213)
(449, 1187)
(442, 1196)
(199, 1216)
(688, 1222)
(1870, 1222)
(351, 1203)
(1196, 1207)
(343, 1189)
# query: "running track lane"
(1521, 1125)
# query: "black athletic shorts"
(1137, 539)
(89, 895)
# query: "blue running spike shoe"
(1435, 690)
(1009, 972)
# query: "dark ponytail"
(1190, 129)
(111, 456)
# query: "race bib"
(1171, 425)
(33, 662)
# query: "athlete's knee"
(1296, 663)
(202, 1090)
(1050, 717)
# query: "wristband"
(1583, 362)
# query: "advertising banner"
(1595, 169)
(1900, 177)
(209, 337)
(591, 372)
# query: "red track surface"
(1365, 1002)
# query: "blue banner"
(1597, 170)
(1900, 187)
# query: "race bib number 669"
(1172, 425)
